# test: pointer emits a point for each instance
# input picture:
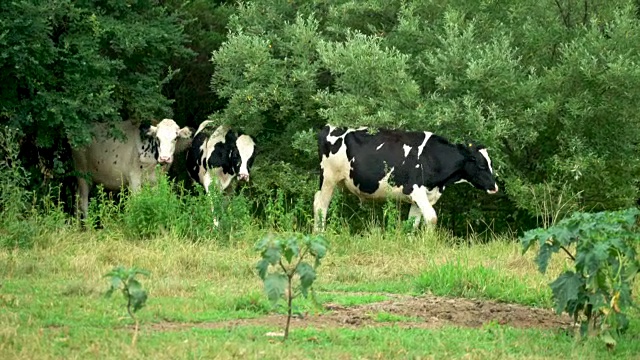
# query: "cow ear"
(464, 148)
(151, 131)
(185, 132)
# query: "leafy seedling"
(136, 297)
(597, 291)
(287, 258)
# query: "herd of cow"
(411, 166)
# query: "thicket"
(549, 86)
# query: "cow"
(217, 155)
(114, 163)
(414, 167)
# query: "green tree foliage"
(66, 64)
(548, 86)
(205, 26)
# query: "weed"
(279, 284)
(136, 296)
(598, 290)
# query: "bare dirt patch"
(424, 311)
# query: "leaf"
(137, 295)
(275, 285)
(318, 248)
(262, 266)
(529, 238)
(115, 282)
(263, 243)
(307, 277)
(601, 252)
(292, 249)
(544, 255)
(566, 288)
(609, 341)
(137, 271)
(109, 292)
(272, 254)
(117, 271)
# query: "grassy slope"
(51, 304)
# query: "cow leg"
(206, 182)
(414, 212)
(420, 198)
(135, 182)
(321, 202)
(83, 198)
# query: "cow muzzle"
(243, 177)
(165, 160)
(494, 190)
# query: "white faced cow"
(217, 156)
(113, 163)
(412, 166)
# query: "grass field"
(383, 296)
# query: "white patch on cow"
(380, 146)
(417, 166)
(167, 133)
(462, 181)
(420, 197)
(406, 149)
(427, 135)
(434, 195)
(486, 156)
(414, 212)
(246, 146)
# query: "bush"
(597, 291)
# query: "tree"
(66, 64)
(545, 94)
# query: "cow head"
(242, 156)
(477, 168)
(166, 134)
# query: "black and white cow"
(412, 166)
(114, 163)
(218, 155)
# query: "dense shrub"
(546, 86)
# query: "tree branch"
(568, 253)
(563, 15)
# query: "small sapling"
(287, 258)
(134, 294)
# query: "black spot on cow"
(338, 131)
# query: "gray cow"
(114, 164)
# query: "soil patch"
(424, 311)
